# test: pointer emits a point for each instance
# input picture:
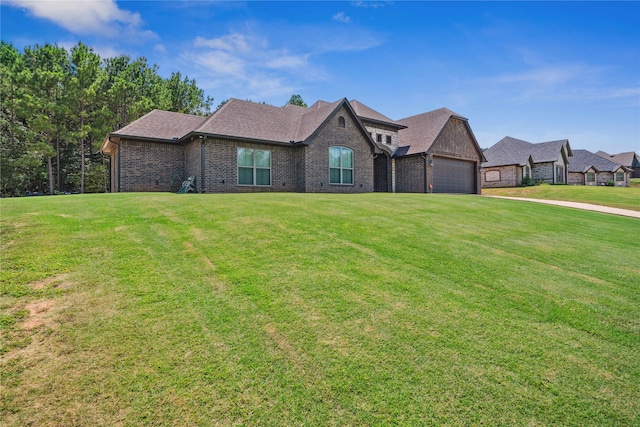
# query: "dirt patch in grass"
(39, 314)
(61, 281)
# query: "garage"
(453, 176)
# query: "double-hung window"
(254, 167)
(591, 177)
(340, 165)
(619, 176)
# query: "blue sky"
(537, 71)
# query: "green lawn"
(617, 197)
(309, 309)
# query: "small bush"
(526, 181)
(610, 183)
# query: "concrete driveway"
(577, 205)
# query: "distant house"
(629, 160)
(511, 160)
(587, 168)
(341, 147)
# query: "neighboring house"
(510, 160)
(587, 168)
(506, 168)
(329, 147)
(629, 160)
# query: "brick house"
(510, 160)
(342, 147)
(587, 168)
(629, 159)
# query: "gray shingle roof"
(237, 119)
(628, 159)
(510, 151)
(159, 124)
(246, 119)
(422, 131)
(367, 113)
(549, 151)
(582, 160)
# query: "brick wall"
(410, 174)
(148, 166)
(192, 162)
(317, 156)
(510, 176)
(578, 178)
(543, 171)
(221, 167)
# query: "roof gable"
(550, 151)
(422, 130)
(629, 159)
(326, 111)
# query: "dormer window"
(341, 122)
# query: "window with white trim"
(340, 165)
(254, 167)
(591, 177)
(619, 176)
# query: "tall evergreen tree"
(82, 96)
(59, 105)
(46, 72)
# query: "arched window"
(341, 122)
(340, 165)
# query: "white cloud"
(85, 17)
(288, 61)
(220, 62)
(259, 63)
(551, 75)
(160, 48)
(560, 83)
(371, 4)
(231, 43)
(341, 17)
(247, 65)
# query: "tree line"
(56, 106)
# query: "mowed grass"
(309, 309)
(617, 197)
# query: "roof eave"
(398, 126)
(248, 139)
